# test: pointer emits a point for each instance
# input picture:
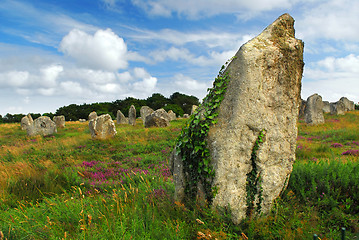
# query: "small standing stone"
(92, 115)
(59, 121)
(26, 122)
(337, 108)
(42, 126)
(121, 119)
(194, 107)
(102, 127)
(132, 115)
(314, 110)
(185, 115)
(348, 105)
(326, 107)
(158, 118)
(172, 115)
(144, 112)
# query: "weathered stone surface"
(144, 112)
(132, 115)
(302, 106)
(326, 107)
(171, 115)
(185, 115)
(26, 121)
(193, 109)
(314, 110)
(349, 105)
(92, 115)
(337, 108)
(263, 95)
(43, 126)
(59, 121)
(102, 127)
(121, 119)
(158, 118)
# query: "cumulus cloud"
(213, 58)
(333, 78)
(103, 50)
(334, 19)
(206, 8)
(189, 83)
(14, 78)
(73, 88)
(49, 75)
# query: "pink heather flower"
(337, 145)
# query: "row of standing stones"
(313, 108)
(101, 127)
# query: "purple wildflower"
(337, 145)
(352, 152)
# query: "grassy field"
(69, 186)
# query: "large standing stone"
(59, 121)
(337, 108)
(120, 118)
(132, 115)
(263, 96)
(144, 112)
(172, 115)
(102, 127)
(314, 110)
(42, 126)
(26, 121)
(158, 118)
(326, 107)
(92, 115)
(349, 105)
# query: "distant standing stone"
(144, 112)
(348, 105)
(121, 119)
(102, 127)
(185, 115)
(132, 115)
(326, 107)
(43, 126)
(194, 107)
(82, 120)
(314, 110)
(172, 115)
(26, 121)
(302, 106)
(158, 118)
(92, 115)
(337, 108)
(59, 121)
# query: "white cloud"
(188, 83)
(46, 91)
(49, 75)
(71, 88)
(206, 8)
(334, 19)
(103, 50)
(333, 78)
(14, 78)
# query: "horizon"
(53, 54)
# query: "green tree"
(157, 101)
(184, 101)
(175, 108)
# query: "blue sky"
(54, 53)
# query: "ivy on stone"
(192, 144)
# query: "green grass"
(72, 187)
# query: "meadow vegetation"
(69, 186)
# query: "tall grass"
(72, 187)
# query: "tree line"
(179, 103)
